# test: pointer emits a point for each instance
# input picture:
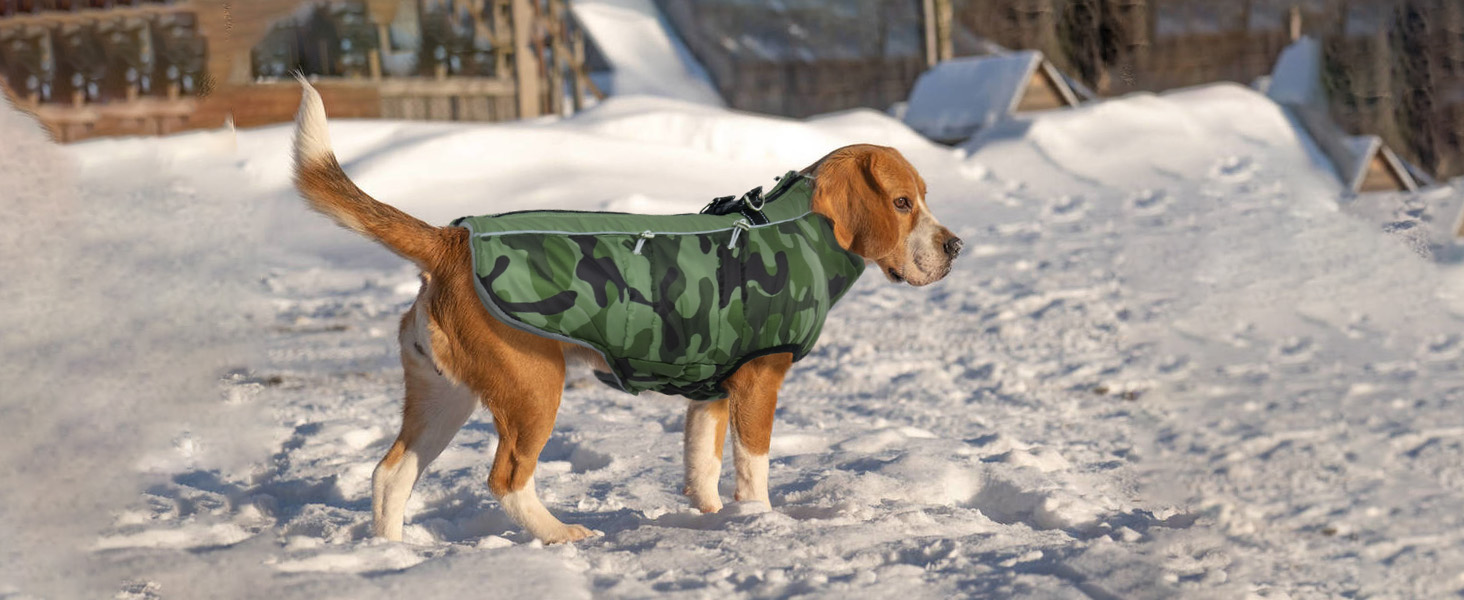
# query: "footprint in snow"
(1067, 209)
(1233, 168)
(139, 590)
(1175, 367)
(1150, 202)
(582, 458)
(1294, 350)
(1443, 347)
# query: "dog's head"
(876, 201)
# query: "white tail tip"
(312, 137)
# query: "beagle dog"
(455, 355)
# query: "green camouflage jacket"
(675, 303)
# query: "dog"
(456, 355)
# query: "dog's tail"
(326, 187)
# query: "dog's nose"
(953, 246)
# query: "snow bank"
(1222, 131)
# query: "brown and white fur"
(456, 356)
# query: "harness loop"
(754, 199)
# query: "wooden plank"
(66, 17)
(451, 86)
(559, 55)
(439, 108)
(525, 62)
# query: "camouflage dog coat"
(674, 303)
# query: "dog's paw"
(567, 533)
(707, 505)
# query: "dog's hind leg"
(524, 404)
(435, 410)
(706, 433)
(753, 393)
(521, 436)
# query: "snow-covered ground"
(1167, 366)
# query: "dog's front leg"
(706, 433)
(753, 395)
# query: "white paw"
(707, 503)
(567, 533)
(391, 534)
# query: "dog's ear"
(850, 188)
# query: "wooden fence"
(539, 50)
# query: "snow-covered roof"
(646, 57)
(1363, 148)
(960, 96)
(1351, 156)
(1297, 76)
(1296, 83)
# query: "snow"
(1297, 77)
(645, 54)
(1168, 366)
(960, 96)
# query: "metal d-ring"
(761, 201)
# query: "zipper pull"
(645, 235)
(737, 229)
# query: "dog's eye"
(903, 204)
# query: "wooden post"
(1344, 12)
(576, 88)
(557, 28)
(938, 15)
(932, 49)
(383, 47)
(48, 57)
(525, 64)
(944, 15)
(502, 37)
(581, 75)
(482, 30)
